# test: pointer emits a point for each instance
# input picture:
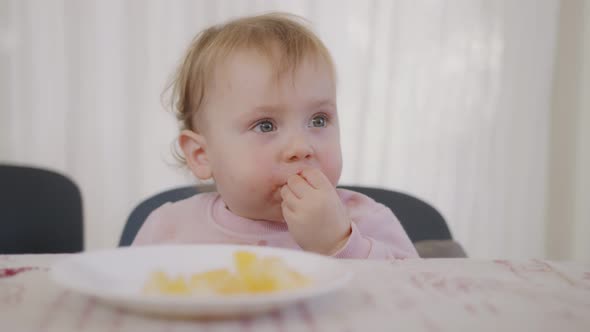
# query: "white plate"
(117, 276)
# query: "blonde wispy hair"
(284, 39)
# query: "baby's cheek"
(258, 180)
(332, 170)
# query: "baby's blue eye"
(319, 121)
(265, 126)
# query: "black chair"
(143, 210)
(420, 220)
(424, 225)
(40, 212)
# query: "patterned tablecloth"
(400, 295)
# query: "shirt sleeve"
(376, 233)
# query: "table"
(398, 295)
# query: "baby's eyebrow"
(265, 110)
(321, 103)
(260, 112)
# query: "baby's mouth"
(282, 181)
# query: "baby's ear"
(194, 147)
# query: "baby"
(256, 99)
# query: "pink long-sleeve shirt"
(204, 218)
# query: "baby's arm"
(376, 233)
(352, 225)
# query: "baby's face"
(259, 130)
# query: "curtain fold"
(447, 100)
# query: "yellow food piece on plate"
(252, 275)
(161, 283)
(243, 261)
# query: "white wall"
(448, 100)
(582, 216)
(568, 223)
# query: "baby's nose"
(298, 149)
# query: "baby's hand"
(316, 217)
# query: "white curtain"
(447, 100)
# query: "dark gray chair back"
(40, 212)
(143, 210)
(420, 220)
